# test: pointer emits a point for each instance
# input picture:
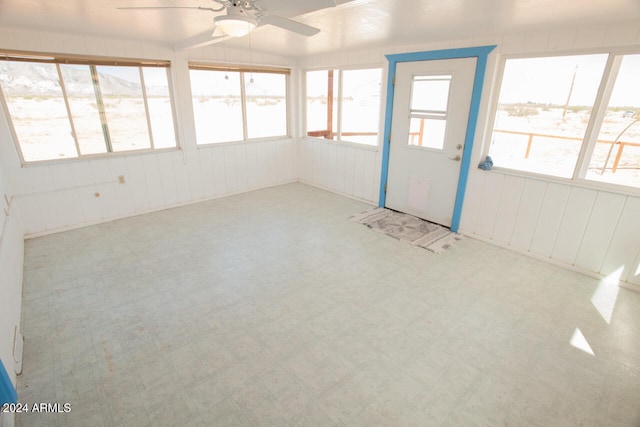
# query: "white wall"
(588, 229)
(58, 196)
(349, 169)
(593, 231)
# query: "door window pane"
(544, 107)
(616, 157)
(430, 93)
(427, 133)
(428, 110)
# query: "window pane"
(160, 113)
(360, 105)
(84, 110)
(543, 111)
(427, 133)
(616, 157)
(266, 98)
(217, 106)
(124, 107)
(321, 114)
(430, 93)
(38, 113)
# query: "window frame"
(588, 144)
(93, 62)
(242, 70)
(338, 112)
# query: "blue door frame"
(481, 53)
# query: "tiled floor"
(273, 308)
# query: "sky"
(548, 80)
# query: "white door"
(430, 113)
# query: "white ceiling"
(355, 24)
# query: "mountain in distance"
(32, 79)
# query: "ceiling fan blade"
(201, 40)
(291, 8)
(288, 24)
(169, 7)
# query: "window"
(237, 104)
(573, 117)
(616, 156)
(428, 110)
(344, 105)
(68, 107)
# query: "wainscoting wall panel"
(341, 168)
(590, 230)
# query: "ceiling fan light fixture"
(234, 25)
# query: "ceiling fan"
(240, 17)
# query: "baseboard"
(34, 235)
(551, 261)
(334, 191)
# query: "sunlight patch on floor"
(579, 341)
(605, 296)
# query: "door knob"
(456, 158)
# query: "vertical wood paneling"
(241, 167)
(340, 174)
(624, 247)
(508, 209)
(599, 230)
(40, 179)
(138, 184)
(219, 173)
(31, 213)
(262, 173)
(278, 162)
(473, 196)
(573, 224)
(250, 170)
(551, 212)
(530, 203)
(125, 204)
(153, 181)
(332, 154)
(62, 176)
(106, 201)
(491, 193)
(272, 164)
(359, 171)
(81, 172)
(181, 173)
(371, 175)
(350, 166)
(230, 168)
(194, 175)
(167, 179)
(50, 207)
(207, 176)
